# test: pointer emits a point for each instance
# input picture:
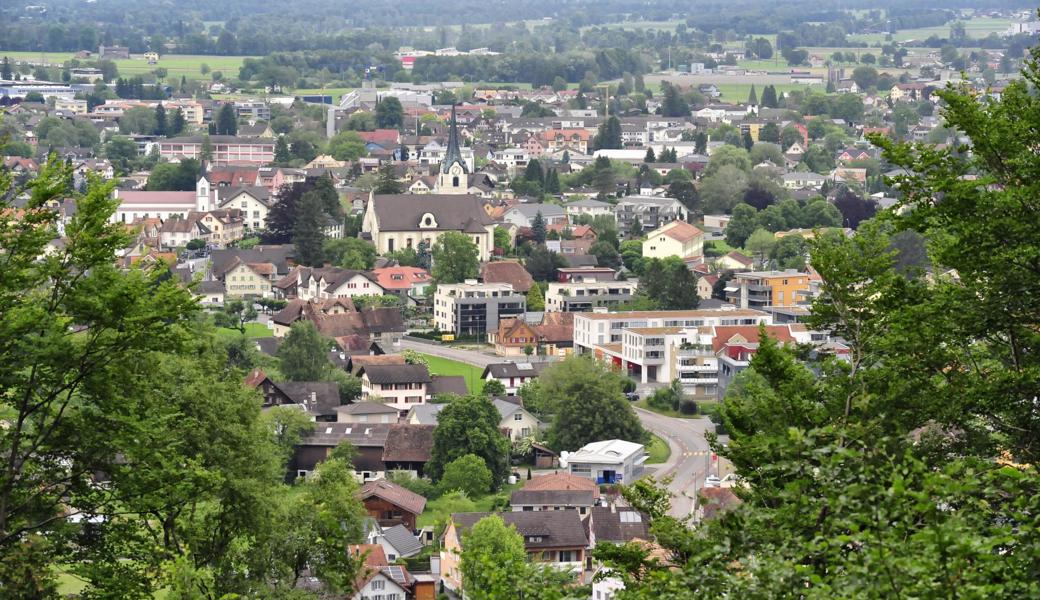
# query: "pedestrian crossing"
(698, 453)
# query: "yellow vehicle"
(448, 337)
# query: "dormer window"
(427, 221)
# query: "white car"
(712, 481)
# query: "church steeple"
(454, 175)
(454, 154)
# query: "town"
(455, 318)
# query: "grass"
(738, 92)
(657, 451)
(978, 27)
(253, 331)
(445, 366)
(437, 511)
(176, 65)
(667, 412)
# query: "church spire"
(453, 154)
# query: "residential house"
(562, 481)
(590, 207)
(512, 375)
(377, 578)
(249, 280)
(581, 501)
(367, 412)
(472, 308)
(307, 283)
(677, 238)
(552, 335)
(616, 525)
(320, 399)
(509, 272)
(516, 420)
(395, 222)
(391, 504)
(335, 319)
(607, 462)
(399, 386)
(801, 180)
(407, 283)
(555, 537)
(651, 212)
(734, 261)
(176, 232)
(397, 542)
(524, 215)
(381, 447)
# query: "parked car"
(632, 396)
(712, 481)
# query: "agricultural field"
(176, 65)
(978, 28)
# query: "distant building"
(472, 308)
(607, 462)
(113, 52)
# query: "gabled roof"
(408, 443)
(541, 529)
(258, 193)
(319, 397)
(394, 494)
(679, 231)
(367, 408)
(426, 413)
(726, 334)
(512, 369)
(562, 481)
(402, 540)
(568, 498)
(508, 271)
(403, 212)
(382, 374)
(448, 384)
(365, 360)
(618, 525)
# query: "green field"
(978, 28)
(445, 366)
(738, 92)
(253, 331)
(657, 450)
(175, 65)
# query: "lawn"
(977, 28)
(446, 366)
(437, 511)
(658, 450)
(738, 92)
(176, 65)
(253, 331)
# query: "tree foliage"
(469, 426)
(455, 258)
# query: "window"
(518, 417)
(379, 584)
(567, 556)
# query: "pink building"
(226, 149)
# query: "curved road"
(690, 458)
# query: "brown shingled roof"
(394, 494)
(408, 443)
(508, 271)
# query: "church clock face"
(456, 170)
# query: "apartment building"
(601, 327)
(761, 289)
(473, 308)
(677, 238)
(583, 296)
(224, 148)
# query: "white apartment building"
(601, 327)
(583, 296)
(473, 308)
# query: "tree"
(493, 560)
(227, 121)
(552, 182)
(121, 151)
(455, 258)
(503, 241)
(741, 225)
(723, 190)
(389, 113)
(609, 135)
(469, 426)
(790, 252)
(351, 253)
(5, 70)
(752, 97)
(309, 230)
(138, 119)
(494, 387)
(177, 122)
(304, 354)
(865, 77)
(281, 151)
(542, 264)
(669, 283)
(728, 156)
(606, 255)
(161, 126)
(346, 145)
(587, 404)
(182, 176)
(467, 474)
(686, 192)
(769, 98)
(538, 228)
(650, 157)
(535, 298)
(673, 104)
(854, 209)
(760, 244)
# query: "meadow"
(176, 65)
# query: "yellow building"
(677, 238)
(761, 289)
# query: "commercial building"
(225, 149)
(473, 308)
(606, 462)
(584, 296)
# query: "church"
(454, 174)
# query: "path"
(690, 457)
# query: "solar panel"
(524, 366)
(396, 573)
(631, 516)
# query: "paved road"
(690, 457)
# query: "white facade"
(597, 329)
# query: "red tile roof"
(725, 333)
(400, 278)
(508, 271)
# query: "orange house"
(760, 289)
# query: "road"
(690, 457)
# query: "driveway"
(690, 458)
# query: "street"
(690, 458)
